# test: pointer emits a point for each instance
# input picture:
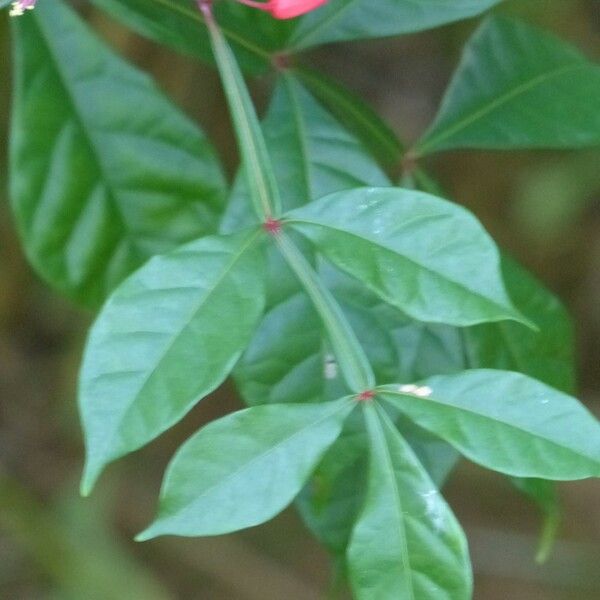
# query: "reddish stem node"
(272, 226)
(366, 396)
(281, 61)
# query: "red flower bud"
(285, 9)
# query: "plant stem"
(354, 365)
(255, 157)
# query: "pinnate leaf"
(507, 422)
(168, 336)
(245, 468)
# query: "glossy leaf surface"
(105, 171)
(245, 468)
(517, 87)
(428, 257)
(341, 20)
(406, 543)
(508, 422)
(167, 337)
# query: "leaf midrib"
(389, 464)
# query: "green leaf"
(179, 25)
(356, 115)
(245, 468)
(517, 87)
(428, 257)
(331, 502)
(507, 422)
(313, 155)
(167, 337)
(406, 543)
(341, 20)
(105, 171)
(547, 354)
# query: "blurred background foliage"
(544, 207)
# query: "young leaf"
(105, 171)
(406, 543)
(341, 20)
(517, 87)
(245, 468)
(168, 336)
(507, 422)
(430, 258)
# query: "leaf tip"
(91, 472)
(145, 535)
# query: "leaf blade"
(245, 468)
(508, 422)
(99, 186)
(168, 336)
(406, 247)
(360, 19)
(406, 543)
(517, 87)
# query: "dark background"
(544, 207)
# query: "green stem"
(352, 360)
(262, 184)
(255, 157)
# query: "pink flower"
(18, 8)
(285, 9)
